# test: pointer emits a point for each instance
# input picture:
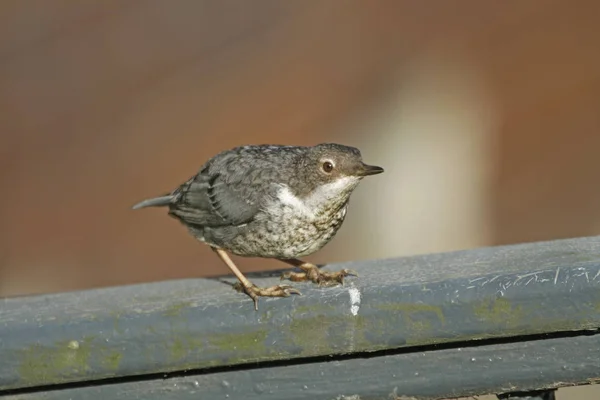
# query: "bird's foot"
(254, 292)
(312, 273)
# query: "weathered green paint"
(46, 364)
(112, 359)
(314, 335)
(416, 318)
(65, 359)
(312, 309)
(499, 311)
(248, 345)
(414, 311)
(253, 342)
(178, 349)
(175, 309)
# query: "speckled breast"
(288, 234)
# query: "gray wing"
(230, 188)
(210, 200)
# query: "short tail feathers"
(155, 202)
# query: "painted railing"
(515, 321)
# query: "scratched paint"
(197, 324)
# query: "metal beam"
(403, 303)
(424, 375)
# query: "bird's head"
(330, 172)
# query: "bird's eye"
(327, 167)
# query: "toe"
(294, 276)
(290, 290)
(285, 275)
(350, 272)
(287, 290)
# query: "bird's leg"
(311, 272)
(245, 286)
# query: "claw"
(289, 290)
(254, 292)
(315, 275)
(344, 273)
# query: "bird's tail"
(155, 202)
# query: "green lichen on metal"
(253, 341)
(317, 329)
(499, 312)
(177, 350)
(64, 360)
(413, 311)
(40, 364)
(251, 346)
(416, 319)
(311, 334)
(175, 309)
(312, 309)
(111, 360)
(313, 330)
(183, 346)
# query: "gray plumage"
(268, 201)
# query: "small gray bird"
(270, 201)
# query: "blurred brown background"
(485, 115)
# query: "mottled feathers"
(235, 201)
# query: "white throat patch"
(322, 195)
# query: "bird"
(270, 201)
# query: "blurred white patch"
(434, 138)
(354, 300)
(288, 198)
(332, 189)
(319, 197)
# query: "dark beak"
(366, 170)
